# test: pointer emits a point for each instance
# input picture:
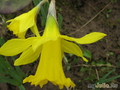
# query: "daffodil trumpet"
(20, 24)
(50, 47)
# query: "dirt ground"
(104, 17)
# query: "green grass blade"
(60, 20)
(8, 80)
(21, 87)
(2, 41)
(108, 80)
(105, 76)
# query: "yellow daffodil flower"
(22, 23)
(51, 46)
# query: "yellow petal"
(14, 26)
(72, 48)
(21, 35)
(51, 33)
(28, 56)
(27, 20)
(35, 30)
(41, 40)
(37, 42)
(50, 67)
(22, 23)
(51, 29)
(87, 39)
(14, 47)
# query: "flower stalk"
(40, 4)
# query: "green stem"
(21, 87)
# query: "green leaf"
(101, 62)
(82, 69)
(10, 6)
(93, 63)
(18, 70)
(21, 87)
(87, 54)
(107, 16)
(110, 79)
(36, 2)
(103, 79)
(60, 20)
(110, 10)
(11, 75)
(111, 53)
(43, 16)
(119, 20)
(118, 64)
(8, 80)
(2, 41)
(68, 67)
(75, 60)
(43, 11)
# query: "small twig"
(69, 88)
(91, 19)
(83, 65)
(97, 74)
(95, 8)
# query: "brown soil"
(77, 13)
